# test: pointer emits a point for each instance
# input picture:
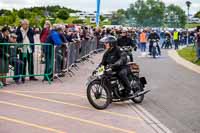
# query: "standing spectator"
(45, 32)
(168, 43)
(4, 56)
(43, 37)
(176, 37)
(25, 35)
(143, 41)
(198, 43)
(98, 36)
(134, 37)
(54, 38)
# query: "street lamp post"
(188, 4)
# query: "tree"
(24, 13)
(78, 21)
(63, 14)
(147, 13)
(5, 12)
(197, 15)
(176, 15)
(119, 17)
(102, 18)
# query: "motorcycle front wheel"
(98, 95)
(154, 52)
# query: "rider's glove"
(135, 49)
(111, 66)
(94, 72)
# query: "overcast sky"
(88, 5)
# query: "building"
(194, 20)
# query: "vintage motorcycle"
(104, 87)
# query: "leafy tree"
(197, 15)
(78, 21)
(119, 17)
(177, 16)
(63, 14)
(147, 13)
(5, 12)
(102, 18)
(24, 13)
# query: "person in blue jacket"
(54, 40)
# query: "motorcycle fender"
(143, 80)
(90, 79)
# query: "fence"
(14, 58)
(80, 51)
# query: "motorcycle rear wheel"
(139, 99)
(98, 95)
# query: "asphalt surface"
(62, 107)
(36, 107)
(174, 99)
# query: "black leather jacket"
(125, 41)
(114, 58)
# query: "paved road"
(174, 99)
(37, 107)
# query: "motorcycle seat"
(131, 63)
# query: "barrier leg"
(1, 85)
(48, 79)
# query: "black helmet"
(109, 39)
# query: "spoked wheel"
(154, 52)
(98, 95)
(139, 88)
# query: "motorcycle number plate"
(101, 70)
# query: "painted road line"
(59, 93)
(75, 105)
(30, 124)
(68, 117)
(150, 120)
(157, 125)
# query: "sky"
(89, 5)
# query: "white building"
(91, 15)
(83, 14)
(194, 20)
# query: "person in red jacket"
(43, 37)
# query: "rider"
(117, 60)
(124, 40)
(153, 36)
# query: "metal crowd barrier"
(81, 51)
(18, 61)
(22, 64)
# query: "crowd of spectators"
(20, 56)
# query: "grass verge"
(189, 53)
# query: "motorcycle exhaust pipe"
(143, 93)
(139, 94)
